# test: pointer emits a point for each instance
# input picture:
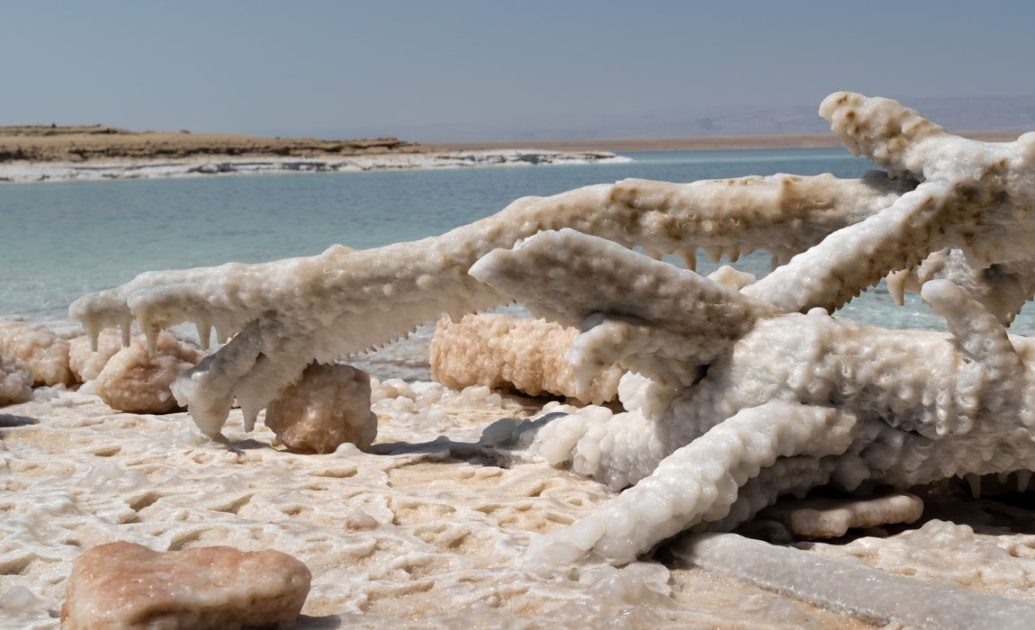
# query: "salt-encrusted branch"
(699, 481)
(344, 301)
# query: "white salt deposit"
(17, 171)
(427, 529)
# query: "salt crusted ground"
(423, 532)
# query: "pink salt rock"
(85, 362)
(125, 585)
(137, 381)
(15, 382)
(328, 406)
(42, 350)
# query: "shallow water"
(61, 240)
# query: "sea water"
(61, 240)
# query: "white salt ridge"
(20, 172)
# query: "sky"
(462, 70)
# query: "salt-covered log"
(832, 518)
(505, 352)
(291, 312)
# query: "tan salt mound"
(43, 351)
(504, 352)
(329, 406)
(832, 518)
(87, 363)
(15, 381)
(125, 585)
(136, 381)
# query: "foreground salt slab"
(125, 585)
(832, 518)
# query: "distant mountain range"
(986, 113)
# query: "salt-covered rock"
(832, 518)
(329, 406)
(43, 351)
(505, 352)
(125, 585)
(15, 382)
(85, 362)
(134, 380)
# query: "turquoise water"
(61, 240)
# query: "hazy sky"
(438, 70)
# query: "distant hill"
(991, 113)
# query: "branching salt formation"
(284, 314)
(738, 392)
(911, 423)
(506, 352)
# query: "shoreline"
(31, 154)
(18, 172)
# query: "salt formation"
(138, 381)
(327, 407)
(125, 585)
(832, 518)
(285, 314)
(44, 352)
(740, 396)
(15, 381)
(948, 552)
(505, 352)
(85, 362)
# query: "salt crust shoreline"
(27, 172)
(425, 530)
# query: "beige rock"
(832, 518)
(87, 363)
(134, 380)
(505, 352)
(125, 585)
(329, 406)
(43, 351)
(15, 382)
